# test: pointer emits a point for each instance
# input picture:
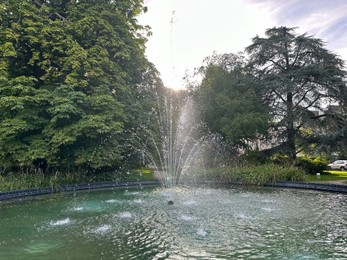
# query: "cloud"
(324, 19)
(187, 31)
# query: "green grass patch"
(338, 173)
(329, 176)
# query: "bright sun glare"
(185, 32)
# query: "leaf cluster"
(231, 107)
(280, 98)
(73, 77)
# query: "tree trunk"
(290, 127)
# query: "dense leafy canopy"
(289, 95)
(296, 74)
(76, 91)
(230, 106)
(73, 79)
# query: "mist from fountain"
(178, 146)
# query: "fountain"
(203, 222)
(179, 144)
(176, 221)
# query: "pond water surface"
(203, 223)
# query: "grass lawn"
(329, 176)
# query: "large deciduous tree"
(296, 74)
(73, 75)
(230, 105)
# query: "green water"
(203, 223)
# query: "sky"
(184, 32)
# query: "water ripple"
(201, 224)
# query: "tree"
(295, 74)
(72, 78)
(230, 105)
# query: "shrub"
(280, 159)
(254, 157)
(259, 174)
(25, 180)
(312, 164)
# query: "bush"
(259, 174)
(254, 157)
(312, 164)
(280, 159)
(26, 180)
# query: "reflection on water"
(203, 223)
(103, 229)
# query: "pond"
(202, 223)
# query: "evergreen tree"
(295, 74)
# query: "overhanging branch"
(57, 14)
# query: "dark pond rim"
(8, 195)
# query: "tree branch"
(279, 95)
(277, 64)
(57, 14)
(314, 101)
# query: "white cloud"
(325, 19)
(187, 31)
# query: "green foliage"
(229, 104)
(22, 119)
(10, 181)
(312, 164)
(337, 177)
(259, 174)
(296, 73)
(254, 157)
(280, 159)
(73, 80)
